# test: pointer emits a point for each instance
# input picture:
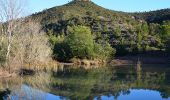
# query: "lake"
(128, 82)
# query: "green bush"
(80, 41)
(166, 34)
(104, 51)
(62, 52)
(55, 39)
(80, 44)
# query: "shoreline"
(155, 58)
(145, 59)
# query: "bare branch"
(10, 11)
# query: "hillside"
(157, 16)
(76, 9)
(127, 32)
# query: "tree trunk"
(8, 51)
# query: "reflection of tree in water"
(27, 93)
(4, 94)
(77, 83)
(82, 84)
(6, 85)
(27, 88)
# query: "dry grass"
(41, 66)
(5, 74)
(86, 62)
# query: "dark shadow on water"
(4, 94)
(149, 57)
(27, 72)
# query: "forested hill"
(127, 32)
(77, 9)
(157, 16)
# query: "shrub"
(104, 51)
(80, 42)
(62, 51)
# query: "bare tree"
(10, 11)
(31, 45)
(25, 42)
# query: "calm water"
(147, 82)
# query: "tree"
(31, 45)
(166, 34)
(10, 11)
(166, 30)
(139, 39)
(2, 46)
(117, 32)
(103, 51)
(81, 43)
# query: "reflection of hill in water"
(81, 84)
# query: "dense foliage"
(80, 43)
(166, 34)
(154, 16)
(82, 29)
(128, 33)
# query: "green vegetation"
(80, 44)
(87, 33)
(80, 41)
(154, 16)
(166, 34)
(82, 84)
(83, 30)
(126, 32)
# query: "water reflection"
(141, 95)
(106, 83)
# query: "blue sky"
(118, 5)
